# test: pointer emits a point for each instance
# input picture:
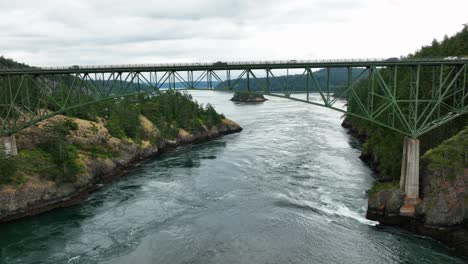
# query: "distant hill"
(6, 63)
(180, 85)
(294, 83)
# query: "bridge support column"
(409, 181)
(9, 145)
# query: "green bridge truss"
(411, 96)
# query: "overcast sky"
(66, 32)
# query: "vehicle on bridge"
(392, 59)
(220, 63)
(74, 67)
(454, 58)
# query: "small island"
(248, 97)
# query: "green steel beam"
(237, 66)
(28, 96)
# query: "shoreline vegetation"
(62, 159)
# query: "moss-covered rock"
(444, 182)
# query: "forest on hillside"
(6, 63)
(384, 145)
(297, 82)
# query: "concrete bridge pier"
(9, 145)
(409, 181)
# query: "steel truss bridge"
(434, 90)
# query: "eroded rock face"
(442, 213)
(227, 126)
(386, 203)
(445, 201)
(184, 136)
(38, 195)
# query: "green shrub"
(36, 162)
(8, 169)
(55, 158)
(71, 124)
(64, 157)
(449, 158)
(380, 186)
(124, 121)
(94, 128)
(97, 151)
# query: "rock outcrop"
(445, 202)
(385, 205)
(247, 97)
(443, 210)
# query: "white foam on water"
(339, 209)
(73, 259)
(345, 211)
(328, 207)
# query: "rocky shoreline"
(454, 237)
(39, 196)
(441, 213)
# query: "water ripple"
(289, 188)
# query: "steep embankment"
(442, 212)
(99, 158)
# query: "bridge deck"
(239, 65)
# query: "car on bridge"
(392, 59)
(74, 67)
(220, 63)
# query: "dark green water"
(290, 188)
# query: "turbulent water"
(289, 188)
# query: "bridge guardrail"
(237, 63)
(273, 62)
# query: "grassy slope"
(450, 158)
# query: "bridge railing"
(220, 63)
(237, 63)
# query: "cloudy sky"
(67, 32)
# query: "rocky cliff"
(99, 156)
(443, 210)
